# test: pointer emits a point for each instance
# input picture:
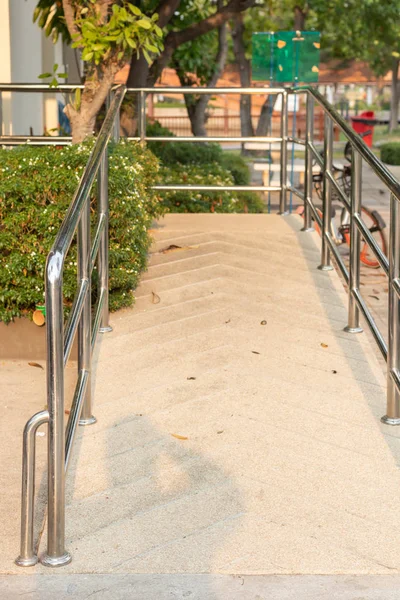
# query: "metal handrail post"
(102, 261)
(326, 196)
(56, 555)
(142, 115)
(85, 322)
(308, 181)
(392, 416)
(27, 556)
(353, 325)
(284, 134)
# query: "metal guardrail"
(358, 231)
(59, 342)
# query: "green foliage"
(199, 201)
(127, 30)
(36, 188)
(202, 164)
(236, 164)
(54, 75)
(184, 153)
(390, 153)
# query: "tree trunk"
(299, 18)
(394, 101)
(97, 86)
(246, 125)
(197, 115)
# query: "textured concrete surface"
(199, 587)
(238, 424)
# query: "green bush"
(390, 153)
(184, 153)
(203, 164)
(199, 201)
(36, 188)
(236, 164)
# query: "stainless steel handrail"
(59, 342)
(358, 230)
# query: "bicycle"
(340, 219)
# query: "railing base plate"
(325, 268)
(88, 421)
(390, 421)
(353, 329)
(307, 229)
(26, 562)
(59, 561)
(106, 329)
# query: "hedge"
(390, 153)
(202, 163)
(36, 188)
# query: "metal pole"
(327, 196)
(392, 416)
(102, 260)
(85, 322)
(353, 325)
(27, 556)
(308, 181)
(284, 132)
(142, 116)
(56, 555)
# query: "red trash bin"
(361, 125)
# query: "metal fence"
(59, 339)
(230, 124)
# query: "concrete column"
(5, 67)
(26, 66)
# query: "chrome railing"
(59, 341)
(358, 231)
(59, 344)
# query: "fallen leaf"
(228, 321)
(263, 322)
(155, 298)
(67, 412)
(222, 431)
(324, 345)
(371, 296)
(190, 378)
(171, 248)
(255, 352)
(179, 437)
(34, 364)
(334, 372)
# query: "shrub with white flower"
(35, 192)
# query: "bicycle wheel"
(371, 221)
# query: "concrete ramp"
(238, 424)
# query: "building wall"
(5, 66)
(26, 65)
(25, 54)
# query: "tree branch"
(69, 15)
(165, 11)
(103, 7)
(176, 38)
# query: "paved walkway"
(238, 424)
